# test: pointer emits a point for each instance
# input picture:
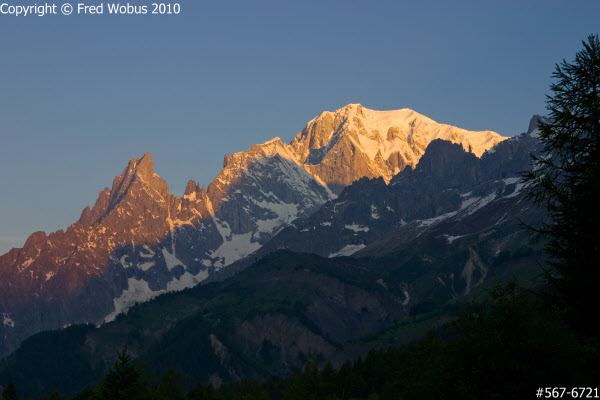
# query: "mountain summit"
(353, 142)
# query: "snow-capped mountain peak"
(343, 146)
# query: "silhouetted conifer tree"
(10, 393)
(170, 387)
(566, 181)
(124, 381)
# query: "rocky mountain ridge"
(139, 240)
(451, 194)
(389, 262)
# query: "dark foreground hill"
(265, 321)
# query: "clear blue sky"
(80, 96)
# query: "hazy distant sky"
(80, 96)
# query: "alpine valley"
(369, 228)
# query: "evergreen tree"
(10, 393)
(202, 392)
(124, 381)
(170, 387)
(306, 385)
(566, 181)
(85, 394)
(52, 396)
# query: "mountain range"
(429, 210)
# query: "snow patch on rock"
(348, 250)
(517, 190)
(236, 247)
(453, 238)
(286, 213)
(124, 262)
(357, 228)
(171, 260)
(438, 219)
(146, 266)
(374, 213)
(474, 204)
(8, 321)
(187, 280)
(510, 181)
(138, 291)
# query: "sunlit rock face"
(139, 240)
(353, 142)
(257, 193)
